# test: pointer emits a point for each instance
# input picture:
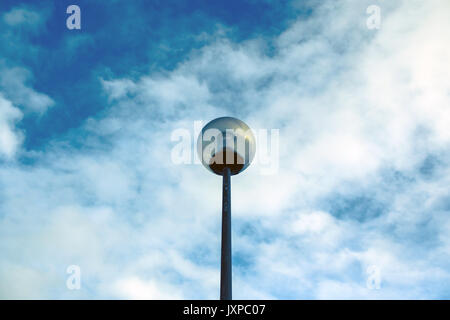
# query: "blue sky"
(87, 178)
(114, 31)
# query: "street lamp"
(226, 147)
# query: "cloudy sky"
(358, 205)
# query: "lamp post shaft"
(225, 266)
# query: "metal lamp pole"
(217, 161)
(225, 265)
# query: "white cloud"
(22, 16)
(17, 100)
(15, 84)
(134, 288)
(10, 137)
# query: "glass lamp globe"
(226, 142)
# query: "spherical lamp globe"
(226, 142)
